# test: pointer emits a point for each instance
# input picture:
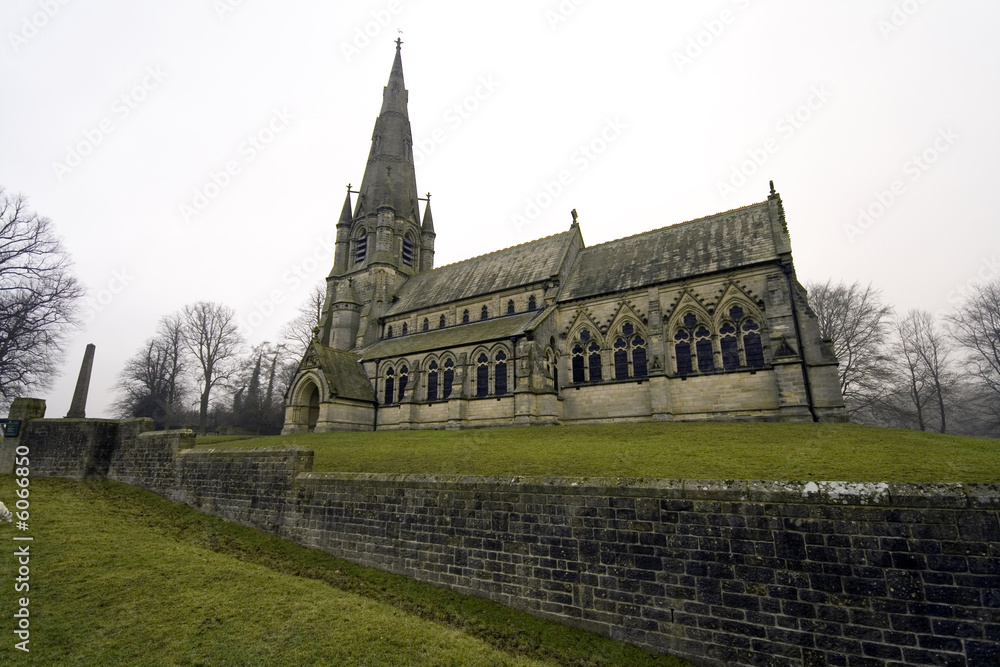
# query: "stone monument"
(78, 407)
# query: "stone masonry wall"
(721, 573)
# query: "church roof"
(718, 242)
(520, 265)
(464, 334)
(343, 373)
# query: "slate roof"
(723, 241)
(343, 373)
(505, 269)
(450, 337)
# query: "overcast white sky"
(118, 115)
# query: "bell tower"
(381, 240)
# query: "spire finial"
(428, 196)
(399, 42)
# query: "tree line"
(197, 371)
(914, 370)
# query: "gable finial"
(573, 213)
(772, 187)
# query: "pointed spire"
(345, 213)
(428, 225)
(389, 178)
(394, 95)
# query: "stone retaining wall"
(721, 573)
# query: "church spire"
(389, 178)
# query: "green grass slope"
(759, 451)
(120, 576)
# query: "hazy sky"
(199, 150)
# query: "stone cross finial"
(399, 43)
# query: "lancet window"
(629, 353)
(585, 359)
(737, 343)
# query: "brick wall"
(721, 573)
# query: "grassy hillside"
(842, 452)
(119, 576)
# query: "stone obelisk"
(78, 408)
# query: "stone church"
(700, 320)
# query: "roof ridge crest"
(676, 224)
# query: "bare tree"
(912, 370)
(213, 339)
(38, 298)
(857, 321)
(976, 327)
(922, 355)
(297, 334)
(152, 382)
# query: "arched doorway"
(311, 392)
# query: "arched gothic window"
(465, 317)
(492, 374)
(390, 386)
(482, 375)
(682, 351)
(510, 307)
(500, 373)
(740, 341)
(594, 361)
(441, 322)
(404, 376)
(585, 359)
(729, 347)
(752, 344)
(629, 354)
(531, 303)
(388, 332)
(449, 377)
(485, 314)
(683, 339)
(405, 329)
(703, 349)
(577, 364)
(432, 381)
(408, 250)
(427, 324)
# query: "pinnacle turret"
(427, 227)
(345, 213)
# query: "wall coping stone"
(896, 494)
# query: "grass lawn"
(120, 576)
(759, 451)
